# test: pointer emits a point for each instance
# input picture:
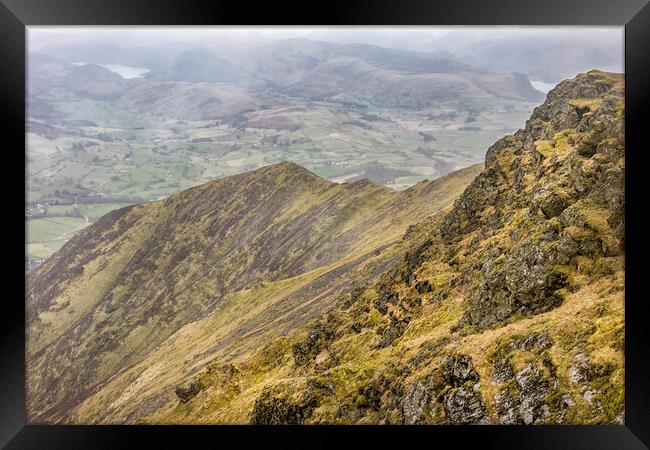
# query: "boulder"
(463, 406)
(414, 402)
(188, 392)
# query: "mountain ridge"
(151, 263)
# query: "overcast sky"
(413, 37)
(527, 49)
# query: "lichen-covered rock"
(524, 401)
(319, 336)
(502, 371)
(526, 280)
(414, 402)
(553, 204)
(463, 406)
(458, 370)
(507, 403)
(188, 392)
(580, 371)
(392, 332)
(534, 388)
(535, 341)
(522, 398)
(461, 397)
(274, 408)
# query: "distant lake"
(542, 86)
(123, 71)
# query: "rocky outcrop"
(188, 392)
(319, 336)
(414, 402)
(556, 188)
(522, 396)
(462, 403)
(463, 406)
(270, 410)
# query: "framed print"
(381, 220)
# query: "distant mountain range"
(301, 68)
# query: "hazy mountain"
(350, 73)
(199, 64)
(505, 307)
(548, 55)
(368, 73)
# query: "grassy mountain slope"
(507, 309)
(277, 297)
(125, 284)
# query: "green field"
(46, 235)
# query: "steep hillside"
(277, 297)
(121, 287)
(507, 309)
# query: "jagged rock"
(537, 341)
(552, 205)
(588, 144)
(271, 410)
(414, 402)
(319, 336)
(458, 369)
(580, 371)
(508, 407)
(187, 393)
(534, 389)
(502, 371)
(392, 332)
(463, 406)
(524, 280)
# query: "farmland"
(121, 157)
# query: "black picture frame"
(15, 15)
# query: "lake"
(123, 71)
